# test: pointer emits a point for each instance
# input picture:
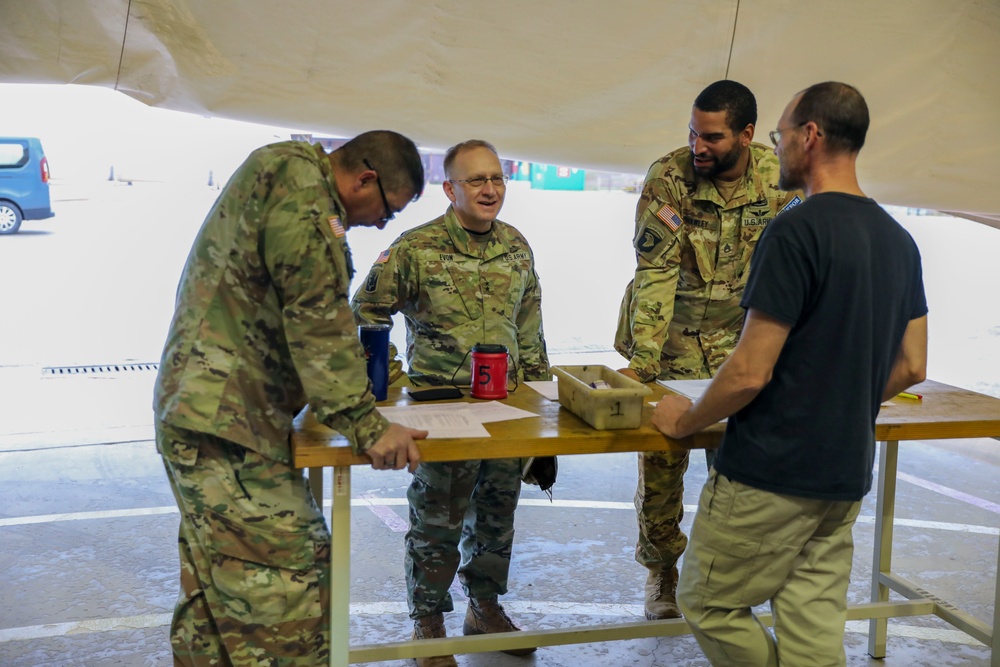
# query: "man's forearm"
(910, 366)
(729, 392)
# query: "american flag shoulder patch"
(796, 200)
(384, 257)
(335, 226)
(669, 217)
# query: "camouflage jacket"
(455, 291)
(680, 317)
(262, 323)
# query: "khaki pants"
(750, 546)
(254, 555)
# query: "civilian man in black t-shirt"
(836, 323)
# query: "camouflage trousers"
(659, 495)
(461, 521)
(659, 506)
(254, 554)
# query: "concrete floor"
(88, 528)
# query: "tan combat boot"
(486, 617)
(432, 627)
(661, 593)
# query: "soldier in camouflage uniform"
(262, 326)
(702, 210)
(462, 279)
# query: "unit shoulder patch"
(648, 240)
(371, 283)
(796, 200)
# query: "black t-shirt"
(847, 277)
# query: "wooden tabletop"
(944, 412)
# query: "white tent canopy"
(604, 85)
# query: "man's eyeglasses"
(389, 214)
(480, 181)
(776, 134)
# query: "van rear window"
(13, 155)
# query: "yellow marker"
(915, 397)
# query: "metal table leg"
(882, 554)
(340, 568)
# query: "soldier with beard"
(703, 208)
(836, 323)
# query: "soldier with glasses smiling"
(461, 279)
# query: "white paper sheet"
(445, 420)
(455, 419)
(693, 389)
(547, 388)
(494, 411)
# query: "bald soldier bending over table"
(262, 326)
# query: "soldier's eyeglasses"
(389, 214)
(776, 134)
(480, 181)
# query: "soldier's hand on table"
(668, 412)
(396, 449)
(629, 373)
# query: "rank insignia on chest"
(335, 226)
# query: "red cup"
(489, 371)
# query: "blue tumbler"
(375, 340)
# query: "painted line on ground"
(84, 516)
(393, 521)
(950, 492)
(624, 612)
(88, 626)
(399, 525)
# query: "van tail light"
(44, 164)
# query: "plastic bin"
(619, 406)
